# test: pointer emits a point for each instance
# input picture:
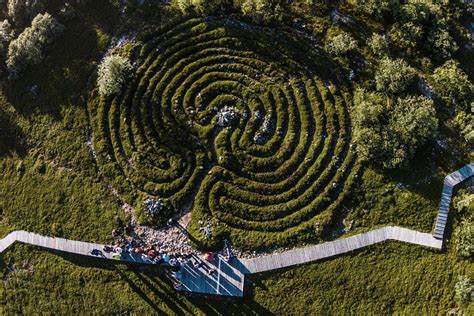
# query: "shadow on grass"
(62, 77)
(11, 136)
(152, 285)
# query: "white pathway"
(229, 278)
(64, 245)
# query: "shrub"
(464, 290)
(463, 201)
(375, 8)
(452, 84)
(205, 7)
(441, 42)
(6, 35)
(378, 44)
(464, 122)
(261, 11)
(341, 44)
(393, 76)
(112, 74)
(28, 48)
(22, 11)
(407, 35)
(465, 238)
(185, 5)
(388, 132)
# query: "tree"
(464, 290)
(393, 76)
(378, 44)
(464, 122)
(465, 238)
(375, 8)
(185, 5)
(452, 84)
(261, 11)
(341, 44)
(422, 13)
(441, 42)
(387, 132)
(6, 35)
(205, 7)
(22, 11)
(112, 74)
(28, 48)
(407, 36)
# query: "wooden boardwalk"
(229, 277)
(227, 280)
(66, 245)
(338, 247)
(450, 182)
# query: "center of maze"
(240, 122)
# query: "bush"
(464, 290)
(452, 84)
(341, 44)
(185, 5)
(261, 11)
(407, 35)
(22, 11)
(378, 44)
(28, 48)
(441, 43)
(112, 74)
(393, 76)
(6, 35)
(205, 7)
(388, 133)
(463, 202)
(464, 122)
(465, 238)
(375, 8)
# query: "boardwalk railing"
(229, 276)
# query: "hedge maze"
(252, 125)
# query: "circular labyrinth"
(249, 125)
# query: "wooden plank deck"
(338, 247)
(229, 278)
(65, 245)
(450, 182)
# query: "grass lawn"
(49, 185)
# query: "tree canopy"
(341, 44)
(378, 44)
(28, 48)
(453, 84)
(393, 76)
(388, 132)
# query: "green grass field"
(49, 182)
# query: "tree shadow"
(152, 284)
(63, 77)
(11, 136)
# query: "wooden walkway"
(66, 245)
(338, 247)
(450, 182)
(229, 277)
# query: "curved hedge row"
(236, 119)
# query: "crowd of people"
(130, 249)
